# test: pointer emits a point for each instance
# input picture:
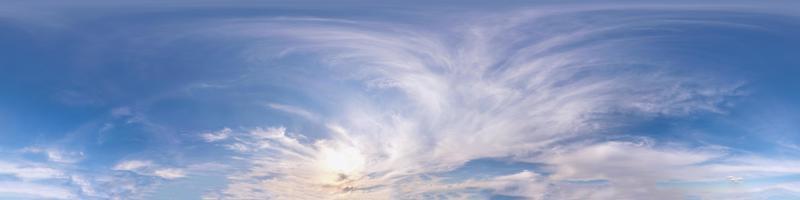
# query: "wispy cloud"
(217, 135)
(56, 155)
(30, 171)
(390, 107)
(36, 191)
(496, 87)
(294, 110)
(170, 173)
(130, 165)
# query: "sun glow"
(345, 161)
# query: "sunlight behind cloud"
(346, 160)
(412, 100)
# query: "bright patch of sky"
(363, 100)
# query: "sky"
(497, 100)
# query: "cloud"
(32, 190)
(407, 103)
(29, 171)
(217, 135)
(294, 110)
(132, 165)
(170, 173)
(429, 100)
(56, 155)
(412, 103)
(624, 160)
(85, 185)
(31, 180)
(628, 165)
(148, 168)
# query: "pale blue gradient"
(450, 100)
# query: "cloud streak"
(547, 102)
(519, 86)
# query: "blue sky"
(358, 100)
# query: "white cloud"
(56, 155)
(294, 110)
(518, 85)
(33, 190)
(619, 160)
(238, 147)
(435, 99)
(170, 173)
(499, 86)
(132, 165)
(84, 184)
(630, 165)
(217, 135)
(30, 171)
(33, 181)
(148, 168)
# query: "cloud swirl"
(326, 102)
